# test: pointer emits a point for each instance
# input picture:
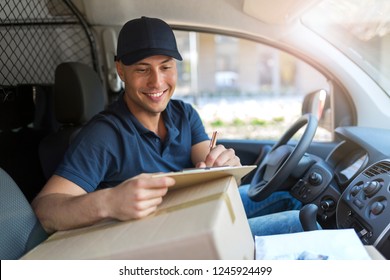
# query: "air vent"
(378, 168)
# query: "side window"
(244, 89)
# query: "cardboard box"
(203, 221)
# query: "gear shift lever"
(308, 217)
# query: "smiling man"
(149, 85)
(106, 171)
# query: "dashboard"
(351, 187)
(361, 164)
(353, 166)
(347, 160)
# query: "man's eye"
(140, 70)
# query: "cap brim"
(134, 57)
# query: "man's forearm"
(62, 211)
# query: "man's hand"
(220, 156)
(138, 197)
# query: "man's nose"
(155, 78)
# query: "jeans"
(277, 214)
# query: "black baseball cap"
(143, 37)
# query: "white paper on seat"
(337, 244)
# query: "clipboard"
(193, 176)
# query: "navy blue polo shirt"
(115, 146)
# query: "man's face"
(149, 83)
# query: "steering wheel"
(279, 163)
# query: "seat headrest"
(78, 93)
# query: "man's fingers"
(149, 193)
(139, 196)
(145, 207)
(146, 181)
(220, 156)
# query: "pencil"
(213, 140)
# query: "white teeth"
(158, 94)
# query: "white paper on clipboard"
(189, 177)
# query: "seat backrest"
(21, 131)
(20, 230)
(78, 95)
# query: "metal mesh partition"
(36, 36)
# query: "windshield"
(359, 28)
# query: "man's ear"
(119, 69)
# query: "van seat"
(20, 229)
(20, 135)
(78, 95)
